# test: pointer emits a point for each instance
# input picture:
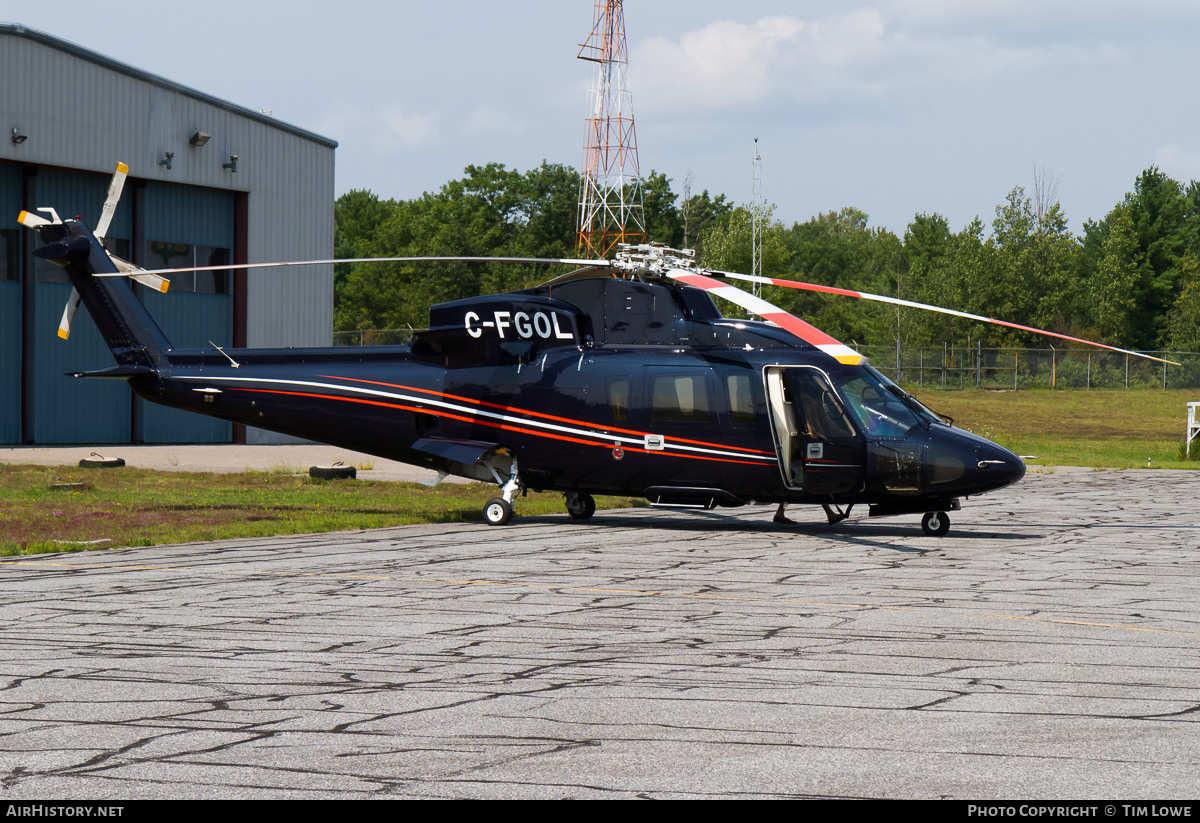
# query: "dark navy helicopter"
(632, 384)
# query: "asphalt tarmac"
(1048, 647)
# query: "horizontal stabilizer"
(123, 372)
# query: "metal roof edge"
(18, 30)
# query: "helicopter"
(620, 377)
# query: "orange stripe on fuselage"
(501, 426)
(542, 415)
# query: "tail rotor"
(107, 211)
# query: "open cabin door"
(820, 450)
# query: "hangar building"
(209, 182)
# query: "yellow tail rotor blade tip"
(63, 333)
(122, 168)
(163, 287)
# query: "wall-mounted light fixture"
(168, 157)
(18, 138)
(232, 164)
(199, 138)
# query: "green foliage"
(1183, 321)
(492, 211)
(1130, 279)
(1112, 285)
(838, 249)
(1140, 247)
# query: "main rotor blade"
(110, 202)
(228, 266)
(895, 301)
(768, 311)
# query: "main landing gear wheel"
(580, 506)
(935, 524)
(497, 512)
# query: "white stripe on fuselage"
(624, 439)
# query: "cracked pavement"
(1048, 647)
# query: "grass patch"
(1112, 429)
(140, 507)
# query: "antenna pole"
(610, 191)
(756, 210)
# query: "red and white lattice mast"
(610, 192)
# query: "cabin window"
(741, 399)
(880, 406)
(680, 399)
(824, 415)
(618, 397)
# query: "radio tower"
(610, 191)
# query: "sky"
(894, 107)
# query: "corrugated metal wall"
(82, 111)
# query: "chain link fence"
(971, 367)
(373, 337)
(952, 367)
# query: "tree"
(658, 206)
(491, 211)
(1112, 285)
(697, 211)
(357, 215)
(1163, 220)
(726, 242)
(1183, 322)
(838, 249)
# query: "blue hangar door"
(157, 225)
(11, 298)
(186, 226)
(58, 408)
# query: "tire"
(580, 506)
(333, 472)
(97, 462)
(935, 524)
(497, 512)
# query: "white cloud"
(722, 64)
(386, 129)
(488, 120)
(859, 54)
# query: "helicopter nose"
(962, 463)
(997, 467)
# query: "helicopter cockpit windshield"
(882, 408)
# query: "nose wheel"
(498, 511)
(935, 524)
